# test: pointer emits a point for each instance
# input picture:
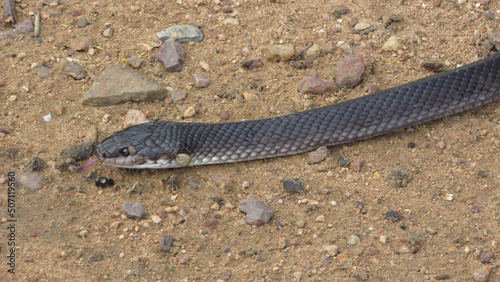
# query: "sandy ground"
(72, 230)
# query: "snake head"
(135, 147)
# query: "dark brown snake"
(163, 144)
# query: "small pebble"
(108, 32)
(349, 71)
(135, 62)
(80, 43)
(431, 230)
(316, 85)
(482, 273)
(201, 81)
(278, 52)
(357, 164)
(362, 26)
(332, 250)
(177, 96)
(398, 177)
(392, 44)
(353, 240)
(189, 112)
(231, 21)
(166, 243)
(487, 257)
(204, 65)
(318, 156)
(134, 210)
(257, 212)
(83, 22)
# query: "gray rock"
(166, 243)
(31, 180)
(117, 85)
(22, 27)
(75, 71)
(318, 156)
(349, 72)
(181, 33)
(494, 38)
(294, 185)
(393, 215)
(257, 211)
(135, 62)
(201, 81)
(177, 96)
(171, 55)
(316, 85)
(83, 22)
(42, 71)
(134, 210)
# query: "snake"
(165, 144)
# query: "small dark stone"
(104, 182)
(392, 20)
(166, 243)
(294, 185)
(394, 216)
(343, 161)
(442, 277)
(96, 256)
(434, 66)
(37, 164)
(482, 174)
(411, 144)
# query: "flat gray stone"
(257, 211)
(181, 33)
(134, 210)
(22, 27)
(117, 85)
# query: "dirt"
(443, 225)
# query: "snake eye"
(124, 151)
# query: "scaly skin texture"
(157, 144)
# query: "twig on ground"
(9, 15)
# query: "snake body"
(163, 144)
